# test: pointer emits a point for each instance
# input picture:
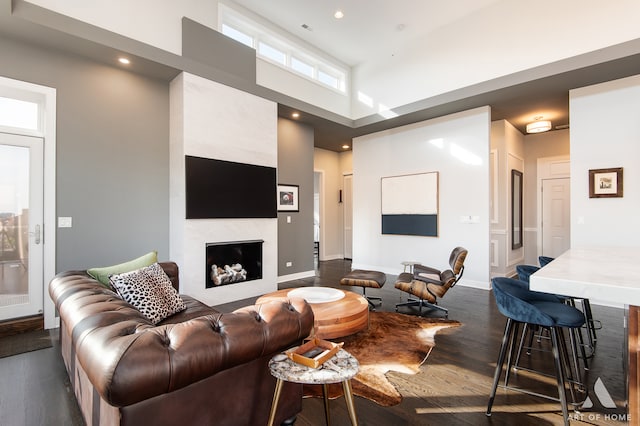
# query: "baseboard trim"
(21, 325)
(474, 284)
(388, 271)
(297, 276)
(333, 257)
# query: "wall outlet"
(289, 264)
(288, 219)
(469, 219)
(465, 219)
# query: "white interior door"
(347, 200)
(21, 219)
(556, 216)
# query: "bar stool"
(524, 272)
(523, 306)
(544, 260)
(591, 324)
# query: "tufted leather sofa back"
(128, 359)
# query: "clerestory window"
(276, 49)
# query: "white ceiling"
(374, 28)
(369, 29)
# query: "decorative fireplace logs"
(228, 274)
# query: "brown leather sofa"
(199, 366)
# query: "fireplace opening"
(233, 262)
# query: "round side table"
(410, 264)
(340, 368)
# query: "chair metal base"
(373, 305)
(420, 303)
(370, 299)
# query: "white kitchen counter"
(610, 275)
(606, 274)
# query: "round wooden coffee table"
(333, 319)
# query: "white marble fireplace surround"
(211, 120)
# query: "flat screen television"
(217, 189)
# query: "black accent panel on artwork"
(217, 189)
(425, 225)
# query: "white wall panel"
(457, 146)
(215, 121)
(605, 130)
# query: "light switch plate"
(64, 222)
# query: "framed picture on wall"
(288, 198)
(410, 204)
(605, 183)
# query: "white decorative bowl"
(317, 294)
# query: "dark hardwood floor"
(451, 389)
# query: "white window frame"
(238, 22)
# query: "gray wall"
(295, 167)
(112, 155)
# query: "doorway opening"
(318, 177)
(347, 209)
(28, 129)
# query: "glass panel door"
(21, 217)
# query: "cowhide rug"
(393, 341)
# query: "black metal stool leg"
(508, 329)
(512, 352)
(555, 341)
(588, 316)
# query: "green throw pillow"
(102, 274)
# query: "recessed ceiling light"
(345, 146)
(124, 61)
(338, 14)
(295, 115)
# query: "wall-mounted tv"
(217, 189)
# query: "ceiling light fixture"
(345, 146)
(124, 61)
(295, 115)
(539, 125)
(338, 14)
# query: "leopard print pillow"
(149, 290)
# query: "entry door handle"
(36, 234)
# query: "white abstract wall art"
(410, 204)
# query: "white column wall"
(605, 130)
(456, 146)
(215, 121)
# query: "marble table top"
(606, 274)
(342, 366)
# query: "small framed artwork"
(288, 198)
(604, 183)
